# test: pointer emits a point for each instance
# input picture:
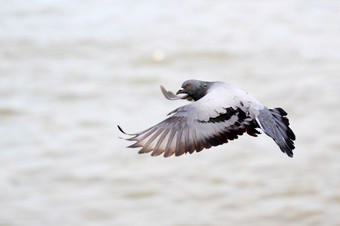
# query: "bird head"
(195, 89)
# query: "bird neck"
(199, 93)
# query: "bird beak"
(180, 91)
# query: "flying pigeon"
(219, 112)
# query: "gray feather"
(274, 123)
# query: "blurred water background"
(70, 71)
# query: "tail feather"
(275, 124)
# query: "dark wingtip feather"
(120, 129)
(287, 147)
(290, 154)
(276, 125)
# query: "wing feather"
(179, 144)
(198, 140)
(169, 147)
(150, 144)
(158, 149)
(180, 134)
(141, 138)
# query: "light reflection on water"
(70, 72)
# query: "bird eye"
(188, 85)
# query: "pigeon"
(219, 112)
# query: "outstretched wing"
(275, 124)
(207, 122)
